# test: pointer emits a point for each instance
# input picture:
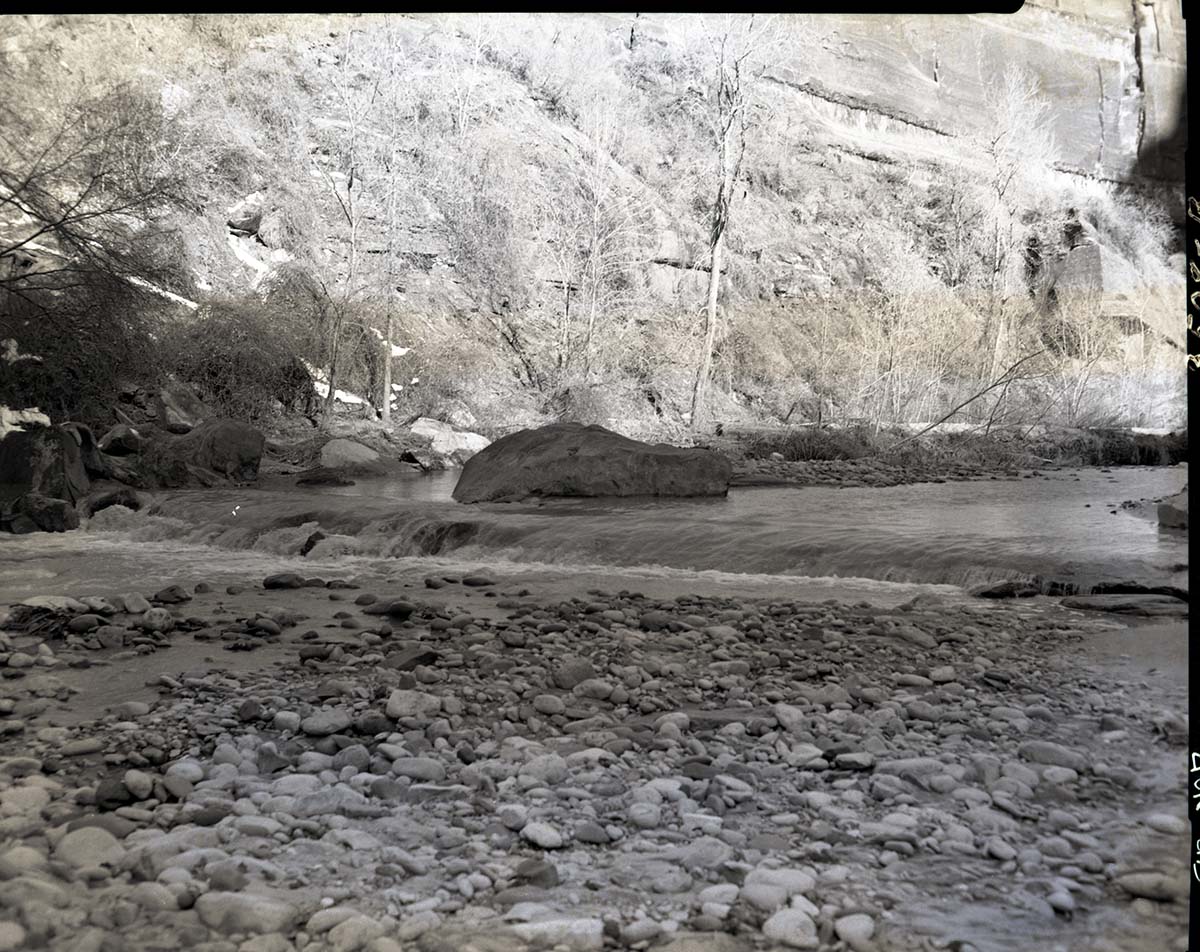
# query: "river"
(1060, 526)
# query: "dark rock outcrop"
(1173, 511)
(342, 452)
(226, 448)
(46, 513)
(323, 476)
(569, 459)
(44, 460)
(95, 463)
(178, 409)
(1138, 588)
(340, 460)
(104, 496)
(1148, 605)
(121, 440)
(1007, 589)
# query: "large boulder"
(246, 216)
(227, 448)
(447, 441)
(47, 514)
(13, 420)
(121, 440)
(341, 452)
(1173, 511)
(95, 463)
(179, 410)
(569, 459)
(106, 494)
(44, 460)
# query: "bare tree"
(1018, 144)
(598, 230)
(76, 193)
(395, 108)
(354, 95)
(736, 62)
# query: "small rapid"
(1058, 528)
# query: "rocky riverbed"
(461, 765)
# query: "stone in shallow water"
(537, 872)
(396, 608)
(855, 930)
(576, 935)
(139, 784)
(20, 859)
(327, 722)
(1051, 754)
(245, 912)
(83, 623)
(404, 703)
(793, 928)
(543, 835)
(706, 853)
(156, 619)
(591, 832)
(548, 704)
(171, 595)
(1166, 823)
(88, 846)
(792, 881)
(572, 671)
(1152, 885)
(12, 936)
(62, 603)
(354, 933)
(283, 580)
(419, 768)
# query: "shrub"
(241, 355)
(91, 340)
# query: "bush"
(242, 357)
(91, 340)
(815, 443)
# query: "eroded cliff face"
(913, 84)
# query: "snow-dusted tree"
(597, 227)
(1017, 142)
(734, 53)
(353, 94)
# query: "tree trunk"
(700, 393)
(387, 369)
(327, 413)
(335, 339)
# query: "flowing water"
(1057, 527)
(1060, 527)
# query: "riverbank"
(503, 765)
(860, 456)
(810, 455)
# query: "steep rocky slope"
(866, 128)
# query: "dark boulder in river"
(569, 459)
(226, 447)
(45, 513)
(45, 460)
(1173, 511)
